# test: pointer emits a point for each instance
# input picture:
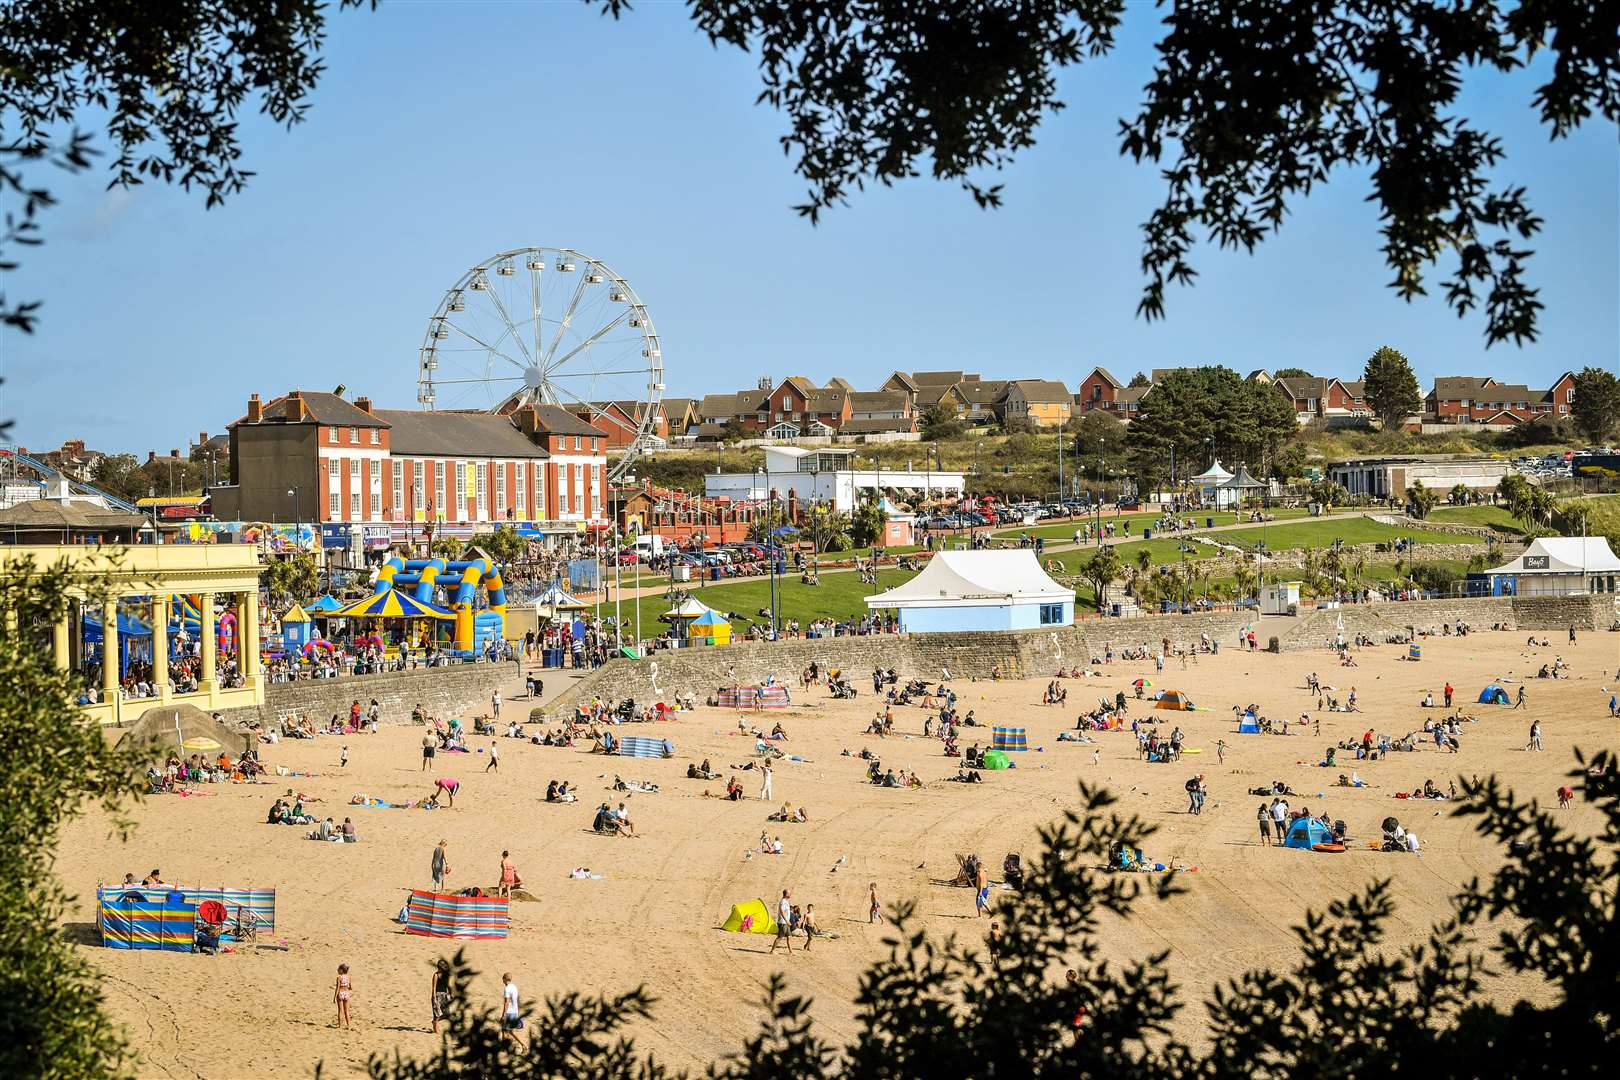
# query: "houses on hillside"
(795, 407)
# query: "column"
(160, 647)
(109, 650)
(208, 640)
(59, 643)
(248, 646)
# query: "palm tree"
(1100, 570)
(1243, 579)
(1458, 494)
(1144, 559)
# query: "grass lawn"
(1065, 530)
(1492, 517)
(839, 596)
(1319, 534)
(1160, 552)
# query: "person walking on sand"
(1220, 751)
(1535, 737)
(439, 993)
(341, 992)
(765, 783)
(807, 923)
(495, 703)
(784, 923)
(509, 875)
(511, 1012)
(1519, 704)
(1449, 691)
(429, 741)
(343, 758)
(981, 892)
(874, 913)
(441, 865)
(1263, 816)
(494, 757)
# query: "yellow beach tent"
(750, 917)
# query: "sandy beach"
(653, 916)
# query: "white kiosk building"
(979, 590)
(1554, 566)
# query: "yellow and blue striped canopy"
(392, 604)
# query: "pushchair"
(1012, 869)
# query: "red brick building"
(316, 457)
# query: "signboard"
(377, 537)
(1537, 562)
(336, 536)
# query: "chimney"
(174, 453)
(202, 437)
(527, 420)
(363, 404)
(255, 410)
(151, 456)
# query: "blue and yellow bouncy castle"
(460, 580)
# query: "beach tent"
(1307, 833)
(556, 599)
(644, 746)
(995, 759)
(1009, 739)
(711, 628)
(159, 919)
(1494, 695)
(1174, 699)
(432, 914)
(750, 917)
(1248, 724)
(324, 606)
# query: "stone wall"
(1318, 628)
(965, 655)
(448, 690)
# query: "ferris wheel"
(547, 326)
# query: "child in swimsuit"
(341, 993)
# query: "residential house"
(879, 405)
(1097, 391)
(983, 400)
(1316, 397)
(1485, 401)
(1041, 402)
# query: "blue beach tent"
(1494, 695)
(1307, 833)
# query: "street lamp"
(292, 493)
(1100, 489)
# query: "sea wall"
(964, 655)
(446, 690)
(1319, 628)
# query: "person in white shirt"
(784, 923)
(511, 1012)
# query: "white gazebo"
(1208, 483)
(1557, 566)
(979, 590)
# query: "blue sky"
(443, 133)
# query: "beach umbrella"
(392, 604)
(200, 743)
(1142, 682)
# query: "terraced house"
(1462, 399)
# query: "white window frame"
(331, 435)
(562, 488)
(521, 476)
(539, 490)
(481, 477)
(399, 488)
(438, 489)
(354, 506)
(500, 490)
(460, 471)
(334, 504)
(354, 436)
(376, 506)
(376, 437)
(596, 489)
(418, 479)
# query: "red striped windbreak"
(440, 915)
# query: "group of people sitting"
(1150, 747)
(558, 791)
(903, 779)
(613, 821)
(794, 817)
(197, 769)
(1429, 790)
(1055, 694)
(289, 810)
(335, 833)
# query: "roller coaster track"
(77, 487)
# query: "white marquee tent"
(979, 590)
